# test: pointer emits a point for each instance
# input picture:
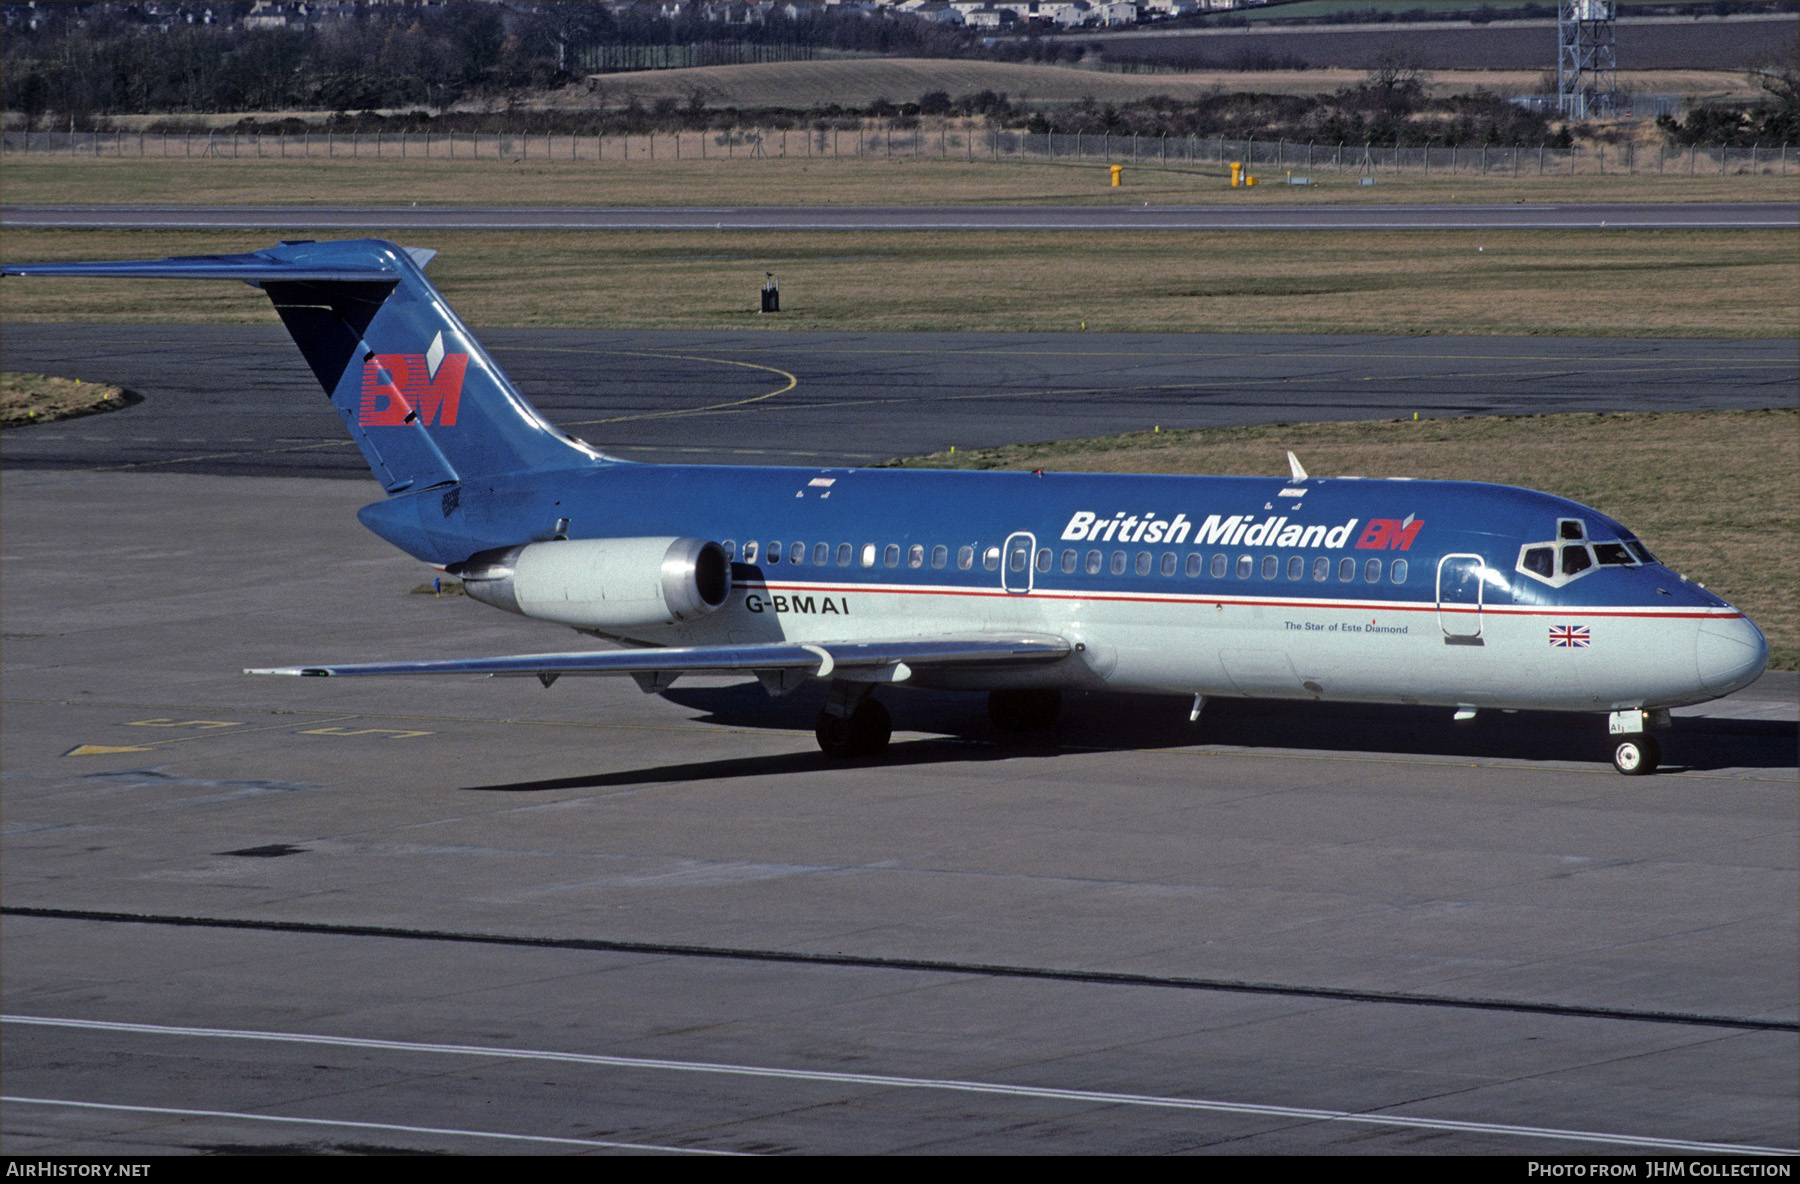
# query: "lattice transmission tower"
(1587, 69)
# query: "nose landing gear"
(1637, 755)
(1635, 752)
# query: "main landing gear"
(852, 723)
(1635, 752)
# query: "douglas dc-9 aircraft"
(1024, 585)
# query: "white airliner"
(1024, 585)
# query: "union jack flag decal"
(1569, 636)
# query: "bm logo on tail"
(403, 388)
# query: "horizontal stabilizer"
(854, 660)
(251, 268)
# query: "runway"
(1273, 216)
(239, 399)
(482, 916)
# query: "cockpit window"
(1575, 559)
(1642, 552)
(1570, 528)
(1613, 555)
(1539, 561)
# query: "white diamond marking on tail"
(434, 357)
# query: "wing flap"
(856, 661)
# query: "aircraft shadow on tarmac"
(1089, 721)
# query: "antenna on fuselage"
(1294, 464)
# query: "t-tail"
(419, 395)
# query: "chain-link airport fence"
(1295, 162)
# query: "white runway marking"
(883, 1081)
(367, 1126)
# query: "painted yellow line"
(151, 745)
(793, 380)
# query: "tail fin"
(418, 394)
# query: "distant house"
(938, 11)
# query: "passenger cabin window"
(1219, 565)
(1296, 567)
(940, 555)
(1168, 563)
(1193, 565)
(1245, 566)
(1397, 573)
(965, 558)
(845, 552)
(915, 555)
(990, 559)
(797, 553)
(1271, 567)
(1346, 570)
(1321, 569)
(1018, 558)
(1070, 561)
(773, 554)
(1093, 563)
(1043, 559)
(891, 556)
(1372, 571)
(1142, 564)
(868, 555)
(1118, 563)
(822, 555)
(750, 552)
(730, 549)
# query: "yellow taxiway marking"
(390, 733)
(214, 728)
(793, 380)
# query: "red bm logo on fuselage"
(398, 388)
(1390, 534)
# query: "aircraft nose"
(1731, 653)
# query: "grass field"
(42, 179)
(859, 82)
(39, 398)
(1715, 494)
(1583, 283)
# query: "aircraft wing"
(781, 665)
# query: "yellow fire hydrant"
(1237, 173)
(1118, 172)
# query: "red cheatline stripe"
(1262, 602)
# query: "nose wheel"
(1636, 756)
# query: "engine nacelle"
(602, 583)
